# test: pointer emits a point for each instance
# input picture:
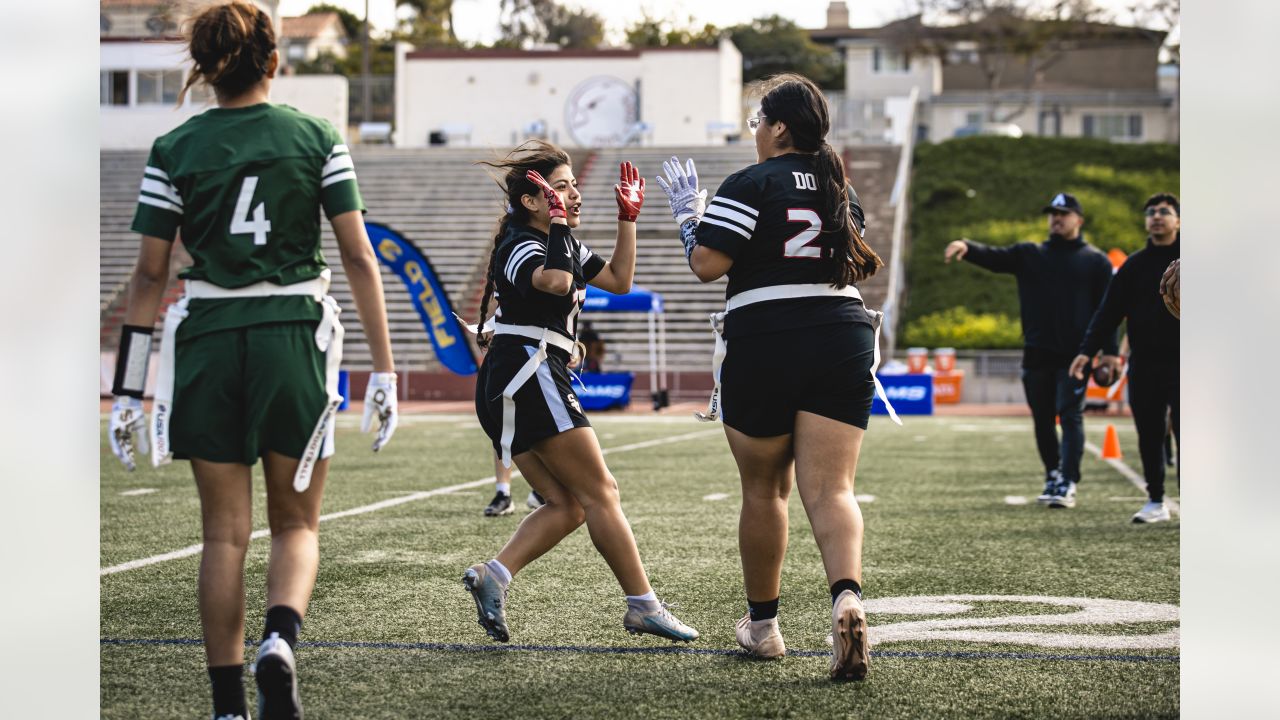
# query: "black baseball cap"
(1064, 202)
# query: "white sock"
(504, 575)
(504, 488)
(645, 598)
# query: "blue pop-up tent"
(650, 303)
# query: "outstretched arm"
(620, 270)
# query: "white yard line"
(1130, 475)
(138, 491)
(392, 502)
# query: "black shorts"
(546, 405)
(825, 370)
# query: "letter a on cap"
(1059, 199)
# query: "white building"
(306, 38)
(576, 98)
(140, 78)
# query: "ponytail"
(483, 338)
(231, 45)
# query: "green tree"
(350, 22)
(650, 32)
(774, 44)
(525, 22)
(431, 24)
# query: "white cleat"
(1152, 512)
(850, 654)
(276, 674)
(760, 638)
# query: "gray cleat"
(491, 600)
(654, 618)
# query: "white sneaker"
(534, 501)
(761, 638)
(1064, 496)
(850, 645)
(276, 673)
(1152, 512)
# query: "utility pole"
(365, 84)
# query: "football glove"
(681, 187)
(629, 192)
(380, 400)
(127, 430)
(555, 205)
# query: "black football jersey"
(768, 218)
(524, 249)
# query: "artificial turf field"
(392, 634)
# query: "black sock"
(764, 609)
(228, 689)
(841, 585)
(284, 620)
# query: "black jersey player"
(795, 352)
(538, 272)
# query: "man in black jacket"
(1135, 295)
(1060, 283)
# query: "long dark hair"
(534, 155)
(231, 44)
(796, 101)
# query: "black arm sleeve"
(559, 249)
(1102, 328)
(995, 259)
(1102, 281)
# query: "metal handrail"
(898, 200)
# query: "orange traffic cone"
(1111, 444)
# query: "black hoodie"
(1135, 294)
(1060, 285)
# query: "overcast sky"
(477, 20)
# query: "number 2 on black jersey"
(801, 245)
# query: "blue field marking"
(668, 650)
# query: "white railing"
(898, 200)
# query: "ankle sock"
(504, 488)
(228, 690)
(639, 601)
(504, 575)
(763, 610)
(286, 622)
(840, 586)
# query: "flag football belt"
(545, 337)
(785, 292)
(328, 339)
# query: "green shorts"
(241, 392)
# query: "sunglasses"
(1152, 212)
(753, 123)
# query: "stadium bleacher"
(448, 206)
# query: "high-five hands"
(681, 187)
(629, 192)
(555, 204)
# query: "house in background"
(1091, 80)
(305, 38)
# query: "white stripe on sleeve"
(157, 202)
(157, 172)
(519, 256)
(724, 224)
(165, 190)
(584, 254)
(734, 203)
(341, 162)
(339, 149)
(345, 175)
(723, 212)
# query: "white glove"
(380, 399)
(128, 430)
(681, 187)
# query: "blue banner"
(910, 394)
(601, 391)
(429, 298)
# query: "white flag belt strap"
(328, 338)
(545, 337)
(315, 288)
(785, 292)
(789, 292)
(535, 333)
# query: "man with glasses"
(1061, 282)
(1136, 295)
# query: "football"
(1103, 376)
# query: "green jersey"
(245, 187)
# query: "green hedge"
(959, 328)
(991, 189)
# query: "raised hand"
(681, 187)
(555, 204)
(629, 192)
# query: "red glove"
(629, 192)
(554, 203)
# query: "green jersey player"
(249, 355)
